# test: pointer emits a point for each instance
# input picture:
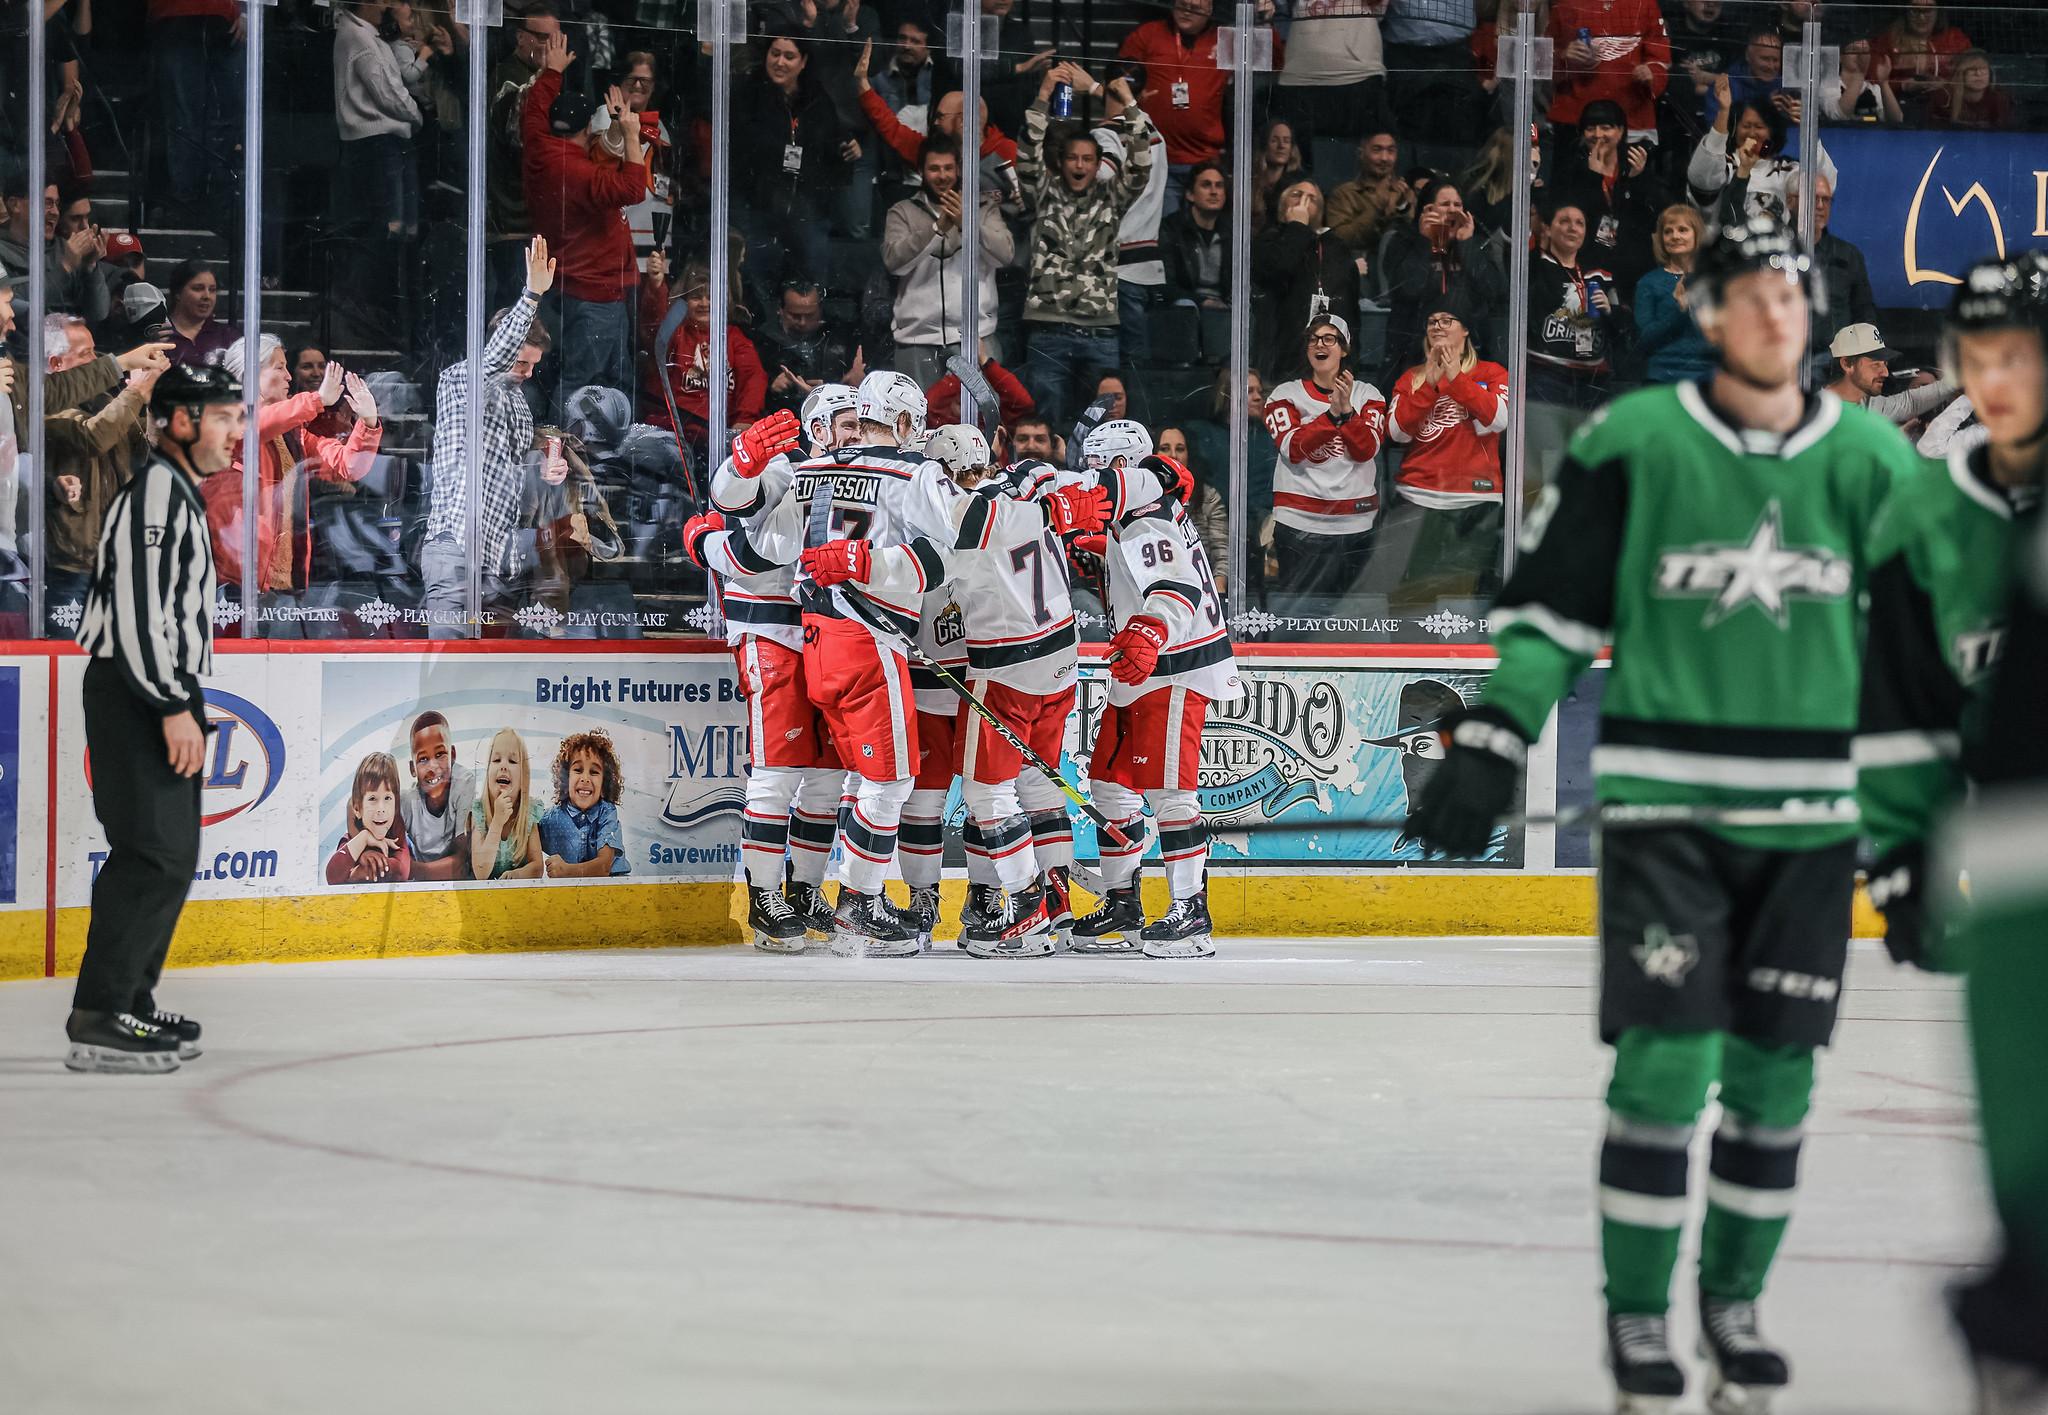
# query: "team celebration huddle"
(900, 608)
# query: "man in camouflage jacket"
(1077, 205)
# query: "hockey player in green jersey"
(1956, 683)
(1941, 585)
(1718, 535)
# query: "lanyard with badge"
(792, 151)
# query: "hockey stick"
(975, 385)
(866, 611)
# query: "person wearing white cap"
(1328, 428)
(1862, 363)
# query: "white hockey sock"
(921, 842)
(1004, 834)
(1052, 830)
(813, 821)
(1183, 840)
(869, 832)
(980, 868)
(1122, 805)
(764, 828)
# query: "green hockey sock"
(1753, 1176)
(1660, 1082)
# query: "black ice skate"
(777, 927)
(869, 926)
(1742, 1372)
(120, 1043)
(1646, 1380)
(812, 907)
(923, 914)
(183, 1029)
(984, 901)
(1113, 927)
(1183, 932)
(1059, 905)
(1017, 928)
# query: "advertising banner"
(617, 768)
(1922, 206)
(1317, 747)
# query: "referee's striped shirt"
(150, 608)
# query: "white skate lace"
(1733, 1327)
(1639, 1340)
(775, 906)
(924, 902)
(164, 1019)
(1182, 910)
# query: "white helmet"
(1120, 437)
(885, 396)
(826, 402)
(959, 447)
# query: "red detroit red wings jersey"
(1452, 431)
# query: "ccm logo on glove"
(838, 561)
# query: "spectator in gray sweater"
(376, 119)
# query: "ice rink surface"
(1300, 1177)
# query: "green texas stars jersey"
(1944, 559)
(1727, 569)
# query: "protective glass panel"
(597, 142)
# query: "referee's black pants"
(151, 817)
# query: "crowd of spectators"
(1381, 177)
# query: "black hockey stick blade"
(987, 407)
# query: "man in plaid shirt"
(515, 345)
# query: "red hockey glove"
(696, 529)
(767, 439)
(1078, 508)
(1174, 476)
(1139, 641)
(838, 561)
(1096, 545)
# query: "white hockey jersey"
(760, 602)
(1009, 578)
(1155, 565)
(1326, 481)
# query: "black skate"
(984, 902)
(812, 907)
(923, 914)
(869, 926)
(184, 1029)
(1018, 928)
(1646, 1380)
(1059, 906)
(1183, 932)
(120, 1043)
(777, 927)
(1119, 914)
(1742, 1372)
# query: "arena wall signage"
(1922, 205)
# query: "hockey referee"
(148, 625)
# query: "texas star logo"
(1763, 571)
(1665, 957)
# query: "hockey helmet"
(184, 386)
(1996, 294)
(1119, 437)
(960, 449)
(1762, 242)
(887, 395)
(825, 403)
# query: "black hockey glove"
(1474, 786)
(1896, 885)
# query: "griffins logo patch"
(1761, 570)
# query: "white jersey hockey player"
(1171, 658)
(876, 494)
(794, 771)
(1004, 557)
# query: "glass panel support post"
(1241, 530)
(252, 321)
(1515, 452)
(27, 452)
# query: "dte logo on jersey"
(244, 758)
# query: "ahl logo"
(244, 761)
(1763, 571)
